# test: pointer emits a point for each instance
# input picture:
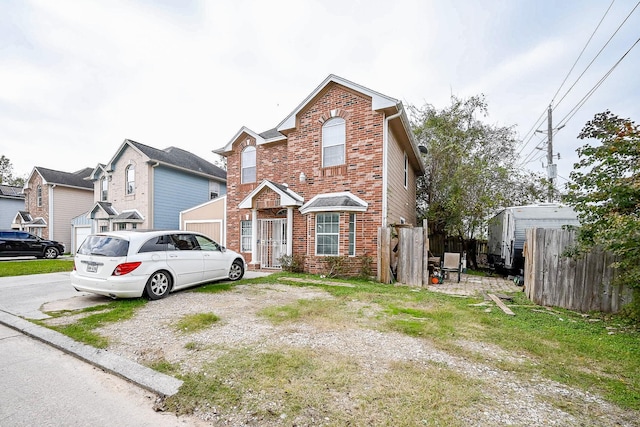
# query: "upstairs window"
(39, 195)
(130, 175)
(249, 164)
(104, 186)
(333, 142)
(214, 190)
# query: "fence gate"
(272, 242)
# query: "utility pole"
(552, 168)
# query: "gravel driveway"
(150, 336)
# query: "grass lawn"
(34, 266)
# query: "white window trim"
(250, 235)
(344, 141)
(316, 233)
(242, 166)
(104, 192)
(355, 224)
(129, 168)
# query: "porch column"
(254, 236)
(289, 230)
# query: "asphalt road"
(47, 379)
(44, 386)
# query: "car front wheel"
(158, 285)
(51, 253)
(236, 271)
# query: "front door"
(272, 242)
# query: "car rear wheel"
(236, 271)
(51, 253)
(158, 285)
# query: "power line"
(583, 49)
(540, 118)
(598, 54)
(579, 105)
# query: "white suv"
(130, 264)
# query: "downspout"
(289, 230)
(254, 236)
(385, 161)
(151, 193)
(51, 210)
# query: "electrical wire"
(529, 135)
(598, 54)
(583, 49)
(584, 99)
(579, 105)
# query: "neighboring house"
(142, 187)
(321, 183)
(11, 200)
(52, 199)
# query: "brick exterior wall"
(283, 162)
(31, 202)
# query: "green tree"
(471, 168)
(605, 191)
(6, 173)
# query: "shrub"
(292, 263)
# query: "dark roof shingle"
(70, 179)
(184, 159)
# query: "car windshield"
(104, 246)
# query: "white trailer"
(507, 231)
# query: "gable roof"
(172, 157)
(288, 197)
(341, 202)
(271, 135)
(392, 108)
(378, 100)
(76, 179)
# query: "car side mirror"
(222, 248)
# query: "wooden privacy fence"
(583, 284)
(405, 250)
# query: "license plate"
(92, 268)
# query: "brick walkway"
(474, 285)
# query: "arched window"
(104, 187)
(249, 164)
(130, 175)
(39, 195)
(333, 142)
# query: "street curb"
(147, 378)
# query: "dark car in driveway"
(21, 243)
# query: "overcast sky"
(78, 77)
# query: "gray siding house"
(142, 187)
(11, 201)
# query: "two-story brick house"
(52, 199)
(142, 187)
(322, 182)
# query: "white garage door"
(212, 229)
(81, 234)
